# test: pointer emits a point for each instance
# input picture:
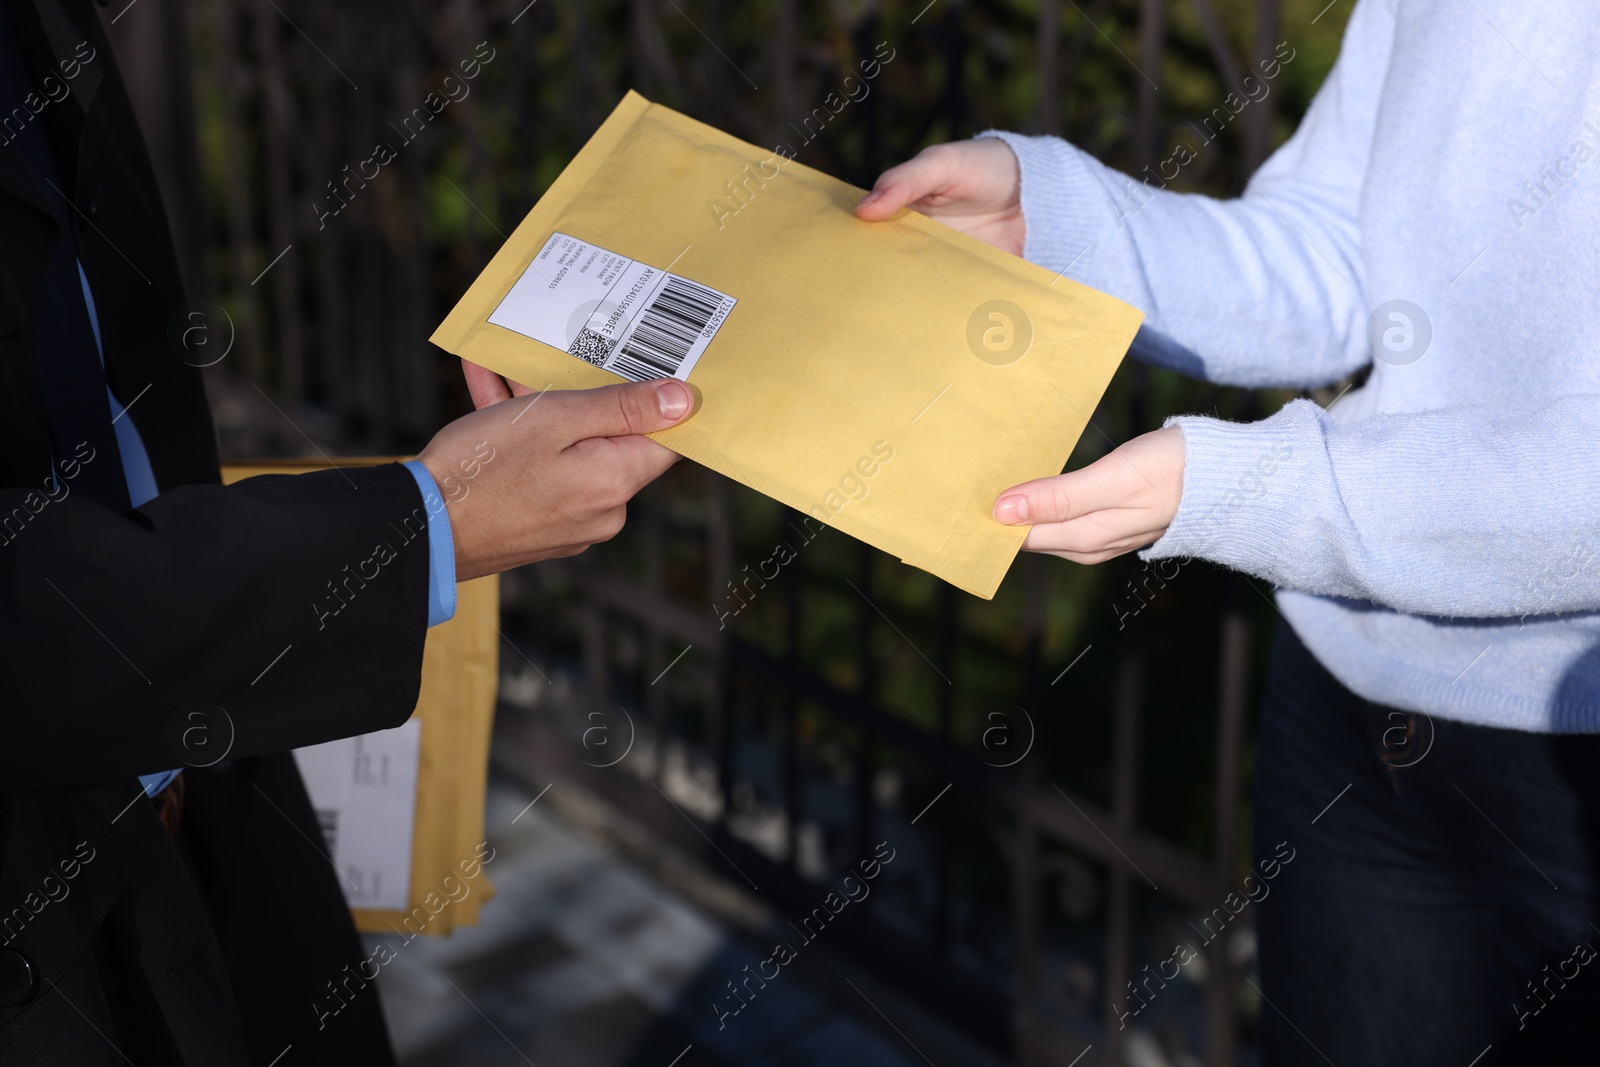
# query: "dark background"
(810, 716)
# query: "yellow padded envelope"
(456, 706)
(889, 379)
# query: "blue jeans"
(1441, 898)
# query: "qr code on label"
(592, 347)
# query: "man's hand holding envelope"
(888, 378)
(570, 469)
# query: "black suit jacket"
(213, 948)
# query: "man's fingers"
(621, 466)
(485, 385)
(1102, 484)
(623, 410)
(639, 460)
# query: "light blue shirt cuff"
(441, 548)
(155, 783)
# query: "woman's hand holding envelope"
(1119, 503)
(549, 474)
(971, 186)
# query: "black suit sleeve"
(281, 611)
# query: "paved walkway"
(583, 961)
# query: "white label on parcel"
(632, 319)
(364, 791)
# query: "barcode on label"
(328, 822)
(612, 311)
(667, 330)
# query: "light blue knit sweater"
(1436, 534)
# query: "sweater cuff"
(1063, 204)
(1244, 490)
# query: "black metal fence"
(867, 705)
(1060, 770)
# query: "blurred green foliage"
(921, 99)
(275, 123)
